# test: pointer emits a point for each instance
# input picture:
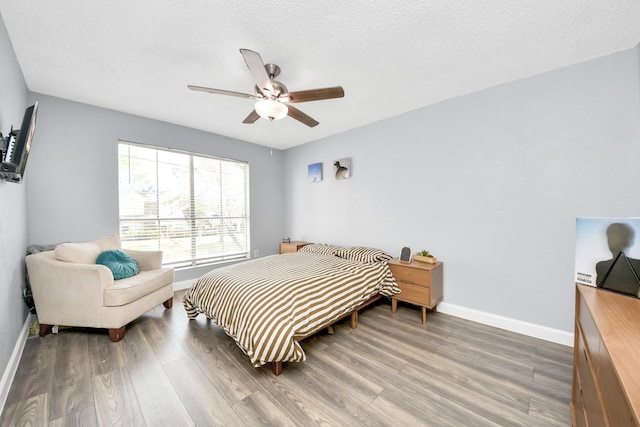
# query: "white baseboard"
(14, 361)
(513, 325)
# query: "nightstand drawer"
(415, 276)
(414, 293)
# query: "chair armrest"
(60, 287)
(147, 260)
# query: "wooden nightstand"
(293, 246)
(421, 284)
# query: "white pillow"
(79, 253)
(87, 253)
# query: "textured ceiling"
(390, 56)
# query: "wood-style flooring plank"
(511, 347)
(258, 409)
(466, 382)
(200, 397)
(352, 382)
(35, 371)
(116, 402)
(320, 402)
(85, 417)
(549, 412)
(104, 355)
(32, 411)
(323, 387)
(158, 400)
(215, 354)
(427, 406)
(165, 346)
(486, 403)
(72, 387)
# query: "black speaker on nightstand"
(405, 255)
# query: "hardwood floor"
(389, 371)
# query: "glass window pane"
(193, 208)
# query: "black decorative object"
(405, 255)
(621, 276)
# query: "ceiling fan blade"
(258, 72)
(251, 118)
(301, 117)
(220, 91)
(315, 94)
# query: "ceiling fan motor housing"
(278, 89)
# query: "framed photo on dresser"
(608, 254)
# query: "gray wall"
(13, 208)
(491, 183)
(73, 173)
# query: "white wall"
(13, 212)
(73, 173)
(491, 183)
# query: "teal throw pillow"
(121, 264)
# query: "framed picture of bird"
(342, 168)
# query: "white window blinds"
(192, 207)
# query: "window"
(192, 207)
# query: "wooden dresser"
(606, 359)
(420, 283)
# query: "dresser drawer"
(589, 330)
(594, 412)
(420, 295)
(577, 410)
(415, 276)
(612, 393)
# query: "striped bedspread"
(264, 304)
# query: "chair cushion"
(135, 287)
(121, 264)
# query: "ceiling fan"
(273, 98)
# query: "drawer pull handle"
(584, 351)
(409, 282)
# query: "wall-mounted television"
(17, 147)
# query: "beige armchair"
(70, 289)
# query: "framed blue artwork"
(315, 172)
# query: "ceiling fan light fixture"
(270, 109)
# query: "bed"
(269, 304)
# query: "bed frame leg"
(276, 368)
(330, 329)
(354, 320)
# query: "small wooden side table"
(420, 283)
(293, 246)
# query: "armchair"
(70, 289)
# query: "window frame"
(192, 219)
